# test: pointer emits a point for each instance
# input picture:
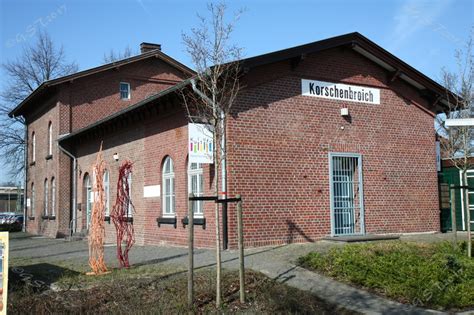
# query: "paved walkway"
(277, 262)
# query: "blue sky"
(425, 34)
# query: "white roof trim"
(368, 55)
(412, 82)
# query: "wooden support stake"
(453, 215)
(190, 252)
(241, 250)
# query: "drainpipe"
(25, 219)
(225, 235)
(74, 187)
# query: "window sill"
(49, 157)
(52, 217)
(127, 219)
(31, 218)
(32, 163)
(45, 217)
(196, 221)
(167, 220)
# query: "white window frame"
(171, 194)
(50, 138)
(33, 147)
(32, 210)
(46, 195)
(129, 91)
(53, 196)
(106, 184)
(198, 172)
(88, 189)
(129, 213)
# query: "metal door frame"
(361, 190)
(469, 174)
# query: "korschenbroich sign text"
(342, 92)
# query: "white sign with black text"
(341, 92)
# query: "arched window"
(33, 147)
(107, 192)
(168, 187)
(50, 138)
(53, 197)
(32, 200)
(196, 186)
(129, 208)
(46, 194)
(87, 193)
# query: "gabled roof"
(47, 86)
(429, 89)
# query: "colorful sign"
(340, 92)
(200, 143)
(3, 271)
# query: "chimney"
(146, 47)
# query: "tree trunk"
(453, 216)
(190, 252)
(218, 232)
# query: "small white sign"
(28, 202)
(151, 191)
(200, 143)
(340, 92)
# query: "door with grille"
(347, 202)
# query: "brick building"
(335, 137)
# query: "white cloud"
(414, 16)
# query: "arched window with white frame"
(196, 186)
(53, 197)
(168, 188)
(46, 193)
(107, 192)
(33, 147)
(32, 205)
(50, 138)
(129, 205)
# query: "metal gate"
(347, 202)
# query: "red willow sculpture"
(121, 214)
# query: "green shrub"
(434, 275)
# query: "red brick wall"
(279, 142)
(128, 143)
(147, 144)
(75, 105)
(42, 169)
(98, 96)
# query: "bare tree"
(458, 142)
(113, 56)
(40, 62)
(214, 90)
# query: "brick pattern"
(278, 142)
(98, 97)
(43, 169)
(77, 104)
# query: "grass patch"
(430, 275)
(150, 289)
